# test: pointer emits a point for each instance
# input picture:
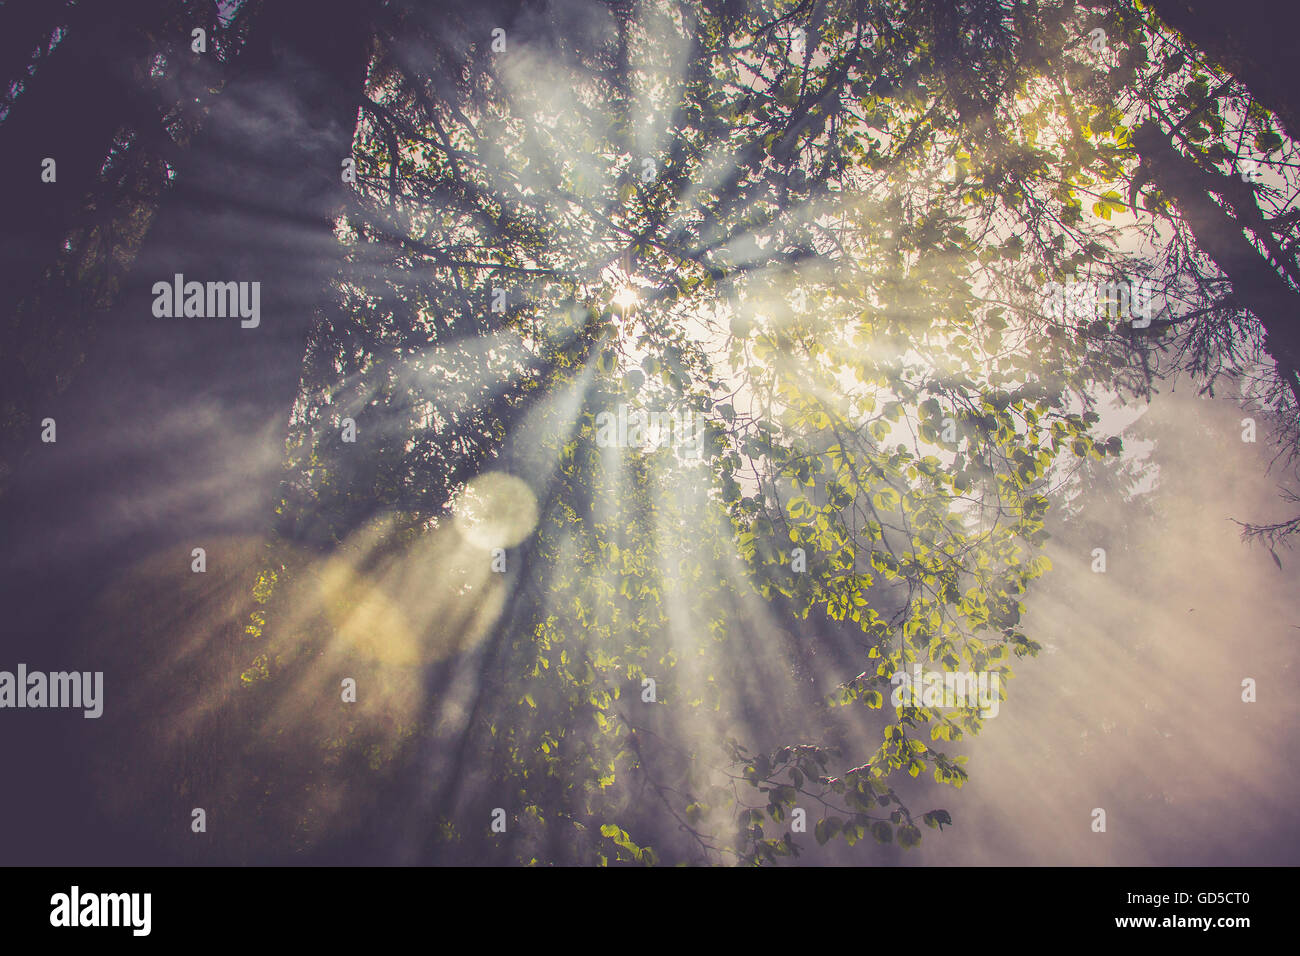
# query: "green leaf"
(1268, 142)
(937, 819)
(827, 828)
(909, 837)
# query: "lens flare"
(496, 510)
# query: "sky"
(1135, 706)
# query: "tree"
(551, 724)
(110, 98)
(820, 231)
(156, 408)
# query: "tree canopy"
(816, 238)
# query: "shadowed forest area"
(563, 432)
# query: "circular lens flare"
(496, 510)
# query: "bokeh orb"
(495, 510)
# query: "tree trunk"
(81, 97)
(171, 438)
(1250, 40)
(69, 112)
(1256, 284)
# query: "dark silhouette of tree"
(156, 407)
(1250, 48)
(111, 97)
